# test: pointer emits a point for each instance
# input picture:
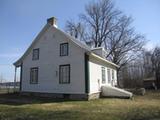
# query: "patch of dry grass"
(139, 108)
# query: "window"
(35, 54)
(112, 74)
(103, 75)
(109, 75)
(34, 75)
(64, 49)
(64, 74)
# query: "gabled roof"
(79, 43)
(75, 41)
(19, 61)
(46, 27)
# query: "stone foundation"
(64, 96)
(94, 96)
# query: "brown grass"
(15, 107)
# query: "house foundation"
(63, 96)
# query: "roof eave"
(19, 61)
(96, 56)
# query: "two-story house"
(57, 64)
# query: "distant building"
(150, 83)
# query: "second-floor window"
(64, 49)
(35, 54)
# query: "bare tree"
(106, 26)
(147, 64)
(156, 64)
(100, 17)
(77, 30)
(123, 43)
(99, 20)
(132, 74)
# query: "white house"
(56, 64)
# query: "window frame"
(113, 76)
(33, 58)
(61, 81)
(31, 69)
(67, 52)
(103, 70)
(109, 75)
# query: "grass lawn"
(8, 90)
(15, 107)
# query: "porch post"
(15, 76)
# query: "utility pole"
(15, 76)
(1, 80)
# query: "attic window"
(64, 49)
(35, 54)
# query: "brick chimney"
(52, 21)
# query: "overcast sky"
(21, 21)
